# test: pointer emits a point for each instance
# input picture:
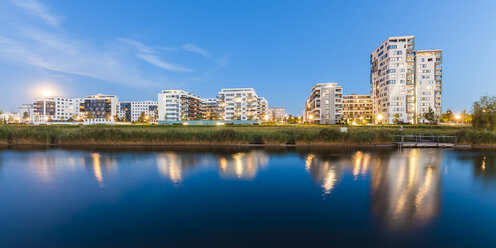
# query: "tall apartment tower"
(405, 83)
(324, 105)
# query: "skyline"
(281, 49)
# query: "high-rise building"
(324, 105)
(239, 104)
(357, 108)
(100, 108)
(132, 110)
(276, 114)
(405, 83)
(178, 105)
(56, 109)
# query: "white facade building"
(239, 104)
(324, 105)
(56, 109)
(405, 82)
(131, 110)
(178, 105)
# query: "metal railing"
(425, 139)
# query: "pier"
(424, 141)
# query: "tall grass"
(276, 135)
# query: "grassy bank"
(277, 135)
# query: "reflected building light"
(405, 189)
(97, 170)
(308, 161)
(330, 180)
(169, 165)
(242, 165)
(483, 164)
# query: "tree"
(25, 116)
(396, 118)
(466, 117)
(89, 115)
(484, 113)
(449, 115)
(142, 118)
(430, 116)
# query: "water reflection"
(484, 167)
(405, 188)
(242, 165)
(405, 185)
(327, 169)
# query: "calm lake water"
(247, 197)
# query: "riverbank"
(230, 135)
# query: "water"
(247, 197)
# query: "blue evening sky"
(281, 48)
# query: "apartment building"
(405, 82)
(357, 108)
(132, 110)
(240, 104)
(210, 108)
(56, 109)
(26, 113)
(178, 105)
(262, 109)
(324, 105)
(276, 114)
(100, 108)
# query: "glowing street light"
(380, 117)
(310, 117)
(457, 117)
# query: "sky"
(135, 49)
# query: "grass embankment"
(202, 135)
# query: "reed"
(203, 135)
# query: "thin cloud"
(154, 60)
(147, 54)
(38, 10)
(195, 49)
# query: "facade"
(262, 109)
(239, 104)
(405, 82)
(357, 108)
(131, 110)
(276, 114)
(100, 108)
(178, 105)
(210, 108)
(26, 113)
(324, 105)
(56, 109)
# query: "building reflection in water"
(405, 185)
(242, 165)
(327, 171)
(173, 165)
(46, 165)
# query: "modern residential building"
(262, 109)
(26, 113)
(405, 82)
(178, 105)
(56, 109)
(239, 104)
(357, 108)
(276, 114)
(324, 105)
(132, 110)
(100, 108)
(210, 108)
(9, 117)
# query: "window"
(399, 52)
(391, 47)
(391, 82)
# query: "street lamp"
(380, 117)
